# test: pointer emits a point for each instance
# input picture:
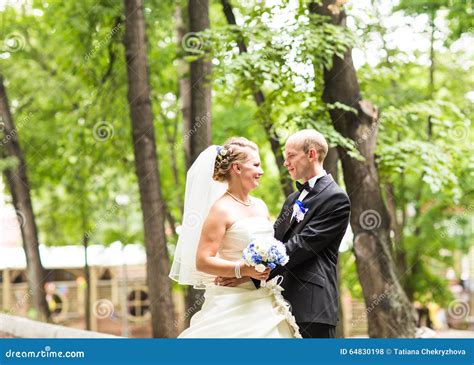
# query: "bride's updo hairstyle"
(234, 150)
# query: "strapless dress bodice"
(241, 233)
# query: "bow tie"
(304, 186)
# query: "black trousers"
(317, 330)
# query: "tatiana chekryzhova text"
(433, 352)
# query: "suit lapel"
(309, 202)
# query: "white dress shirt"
(303, 193)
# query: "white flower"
(299, 216)
(260, 267)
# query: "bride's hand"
(250, 271)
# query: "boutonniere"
(300, 210)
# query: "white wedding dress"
(243, 311)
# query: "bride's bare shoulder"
(220, 208)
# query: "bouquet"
(265, 252)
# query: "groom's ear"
(312, 154)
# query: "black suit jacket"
(310, 276)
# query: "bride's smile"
(248, 173)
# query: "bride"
(220, 220)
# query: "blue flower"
(301, 206)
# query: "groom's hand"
(222, 281)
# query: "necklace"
(238, 200)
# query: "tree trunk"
(267, 123)
(397, 228)
(330, 165)
(147, 170)
(198, 135)
(389, 312)
(200, 131)
(431, 85)
(87, 278)
(20, 189)
(171, 138)
(81, 178)
(184, 85)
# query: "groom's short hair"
(310, 138)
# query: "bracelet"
(237, 271)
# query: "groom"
(311, 224)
